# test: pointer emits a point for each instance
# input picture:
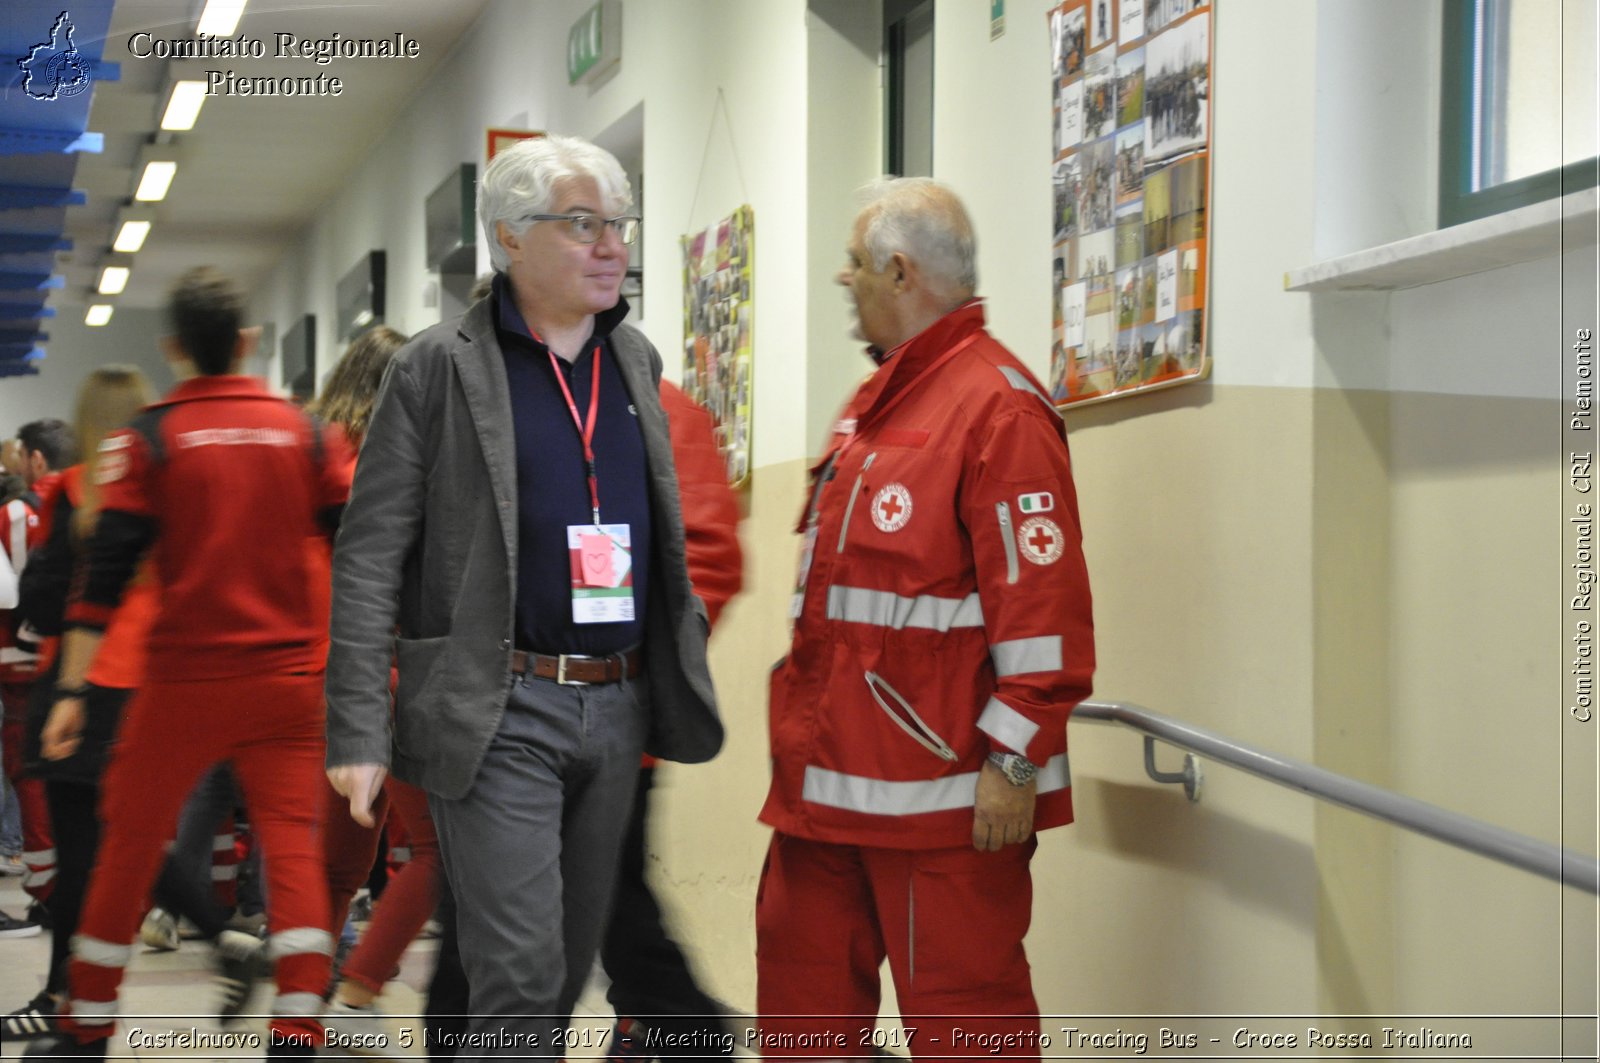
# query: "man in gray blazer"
(514, 540)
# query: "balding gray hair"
(521, 181)
(925, 221)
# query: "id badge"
(602, 573)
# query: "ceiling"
(252, 172)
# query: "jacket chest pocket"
(899, 512)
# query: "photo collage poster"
(718, 331)
(1132, 136)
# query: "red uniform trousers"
(950, 921)
(412, 894)
(38, 845)
(271, 728)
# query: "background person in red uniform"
(222, 484)
(44, 448)
(109, 398)
(942, 635)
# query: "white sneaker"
(159, 930)
(359, 1030)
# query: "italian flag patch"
(1041, 502)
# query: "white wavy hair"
(925, 221)
(521, 181)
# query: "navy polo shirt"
(553, 489)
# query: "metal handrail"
(1566, 866)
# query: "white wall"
(74, 349)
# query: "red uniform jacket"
(943, 610)
(224, 483)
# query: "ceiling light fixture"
(99, 314)
(220, 18)
(155, 180)
(130, 236)
(183, 105)
(113, 279)
(132, 226)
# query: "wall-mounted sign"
(594, 44)
(501, 139)
(719, 331)
(1132, 130)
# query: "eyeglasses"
(587, 228)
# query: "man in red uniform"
(222, 484)
(942, 634)
(43, 449)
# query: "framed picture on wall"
(1131, 126)
(719, 331)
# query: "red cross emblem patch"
(1041, 540)
(891, 508)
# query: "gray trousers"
(531, 853)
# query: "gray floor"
(171, 992)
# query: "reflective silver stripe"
(34, 879)
(295, 1004)
(94, 1012)
(298, 941)
(857, 605)
(225, 873)
(1022, 383)
(857, 793)
(1003, 511)
(1007, 726)
(222, 843)
(40, 856)
(1021, 656)
(100, 953)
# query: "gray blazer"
(424, 568)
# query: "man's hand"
(360, 783)
(1002, 813)
(62, 729)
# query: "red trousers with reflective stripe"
(271, 728)
(38, 847)
(950, 922)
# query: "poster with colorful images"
(719, 328)
(1131, 126)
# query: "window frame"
(1458, 202)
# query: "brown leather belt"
(574, 669)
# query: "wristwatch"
(1018, 769)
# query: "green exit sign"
(594, 44)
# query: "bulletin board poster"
(718, 328)
(1132, 134)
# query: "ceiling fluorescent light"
(220, 18)
(113, 279)
(156, 179)
(98, 315)
(183, 105)
(130, 236)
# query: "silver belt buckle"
(561, 673)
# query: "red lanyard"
(585, 429)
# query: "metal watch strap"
(1018, 769)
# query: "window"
(908, 99)
(1517, 117)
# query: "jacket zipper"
(1003, 511)
(854, 491)
(907, 718)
